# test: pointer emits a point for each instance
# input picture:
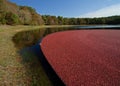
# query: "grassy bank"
(12, 71)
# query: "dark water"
(29, 38)
(99, 27)
(28, 42)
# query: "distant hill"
(10, 13)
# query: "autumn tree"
(11, 18)
(60, 20)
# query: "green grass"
(16, 70)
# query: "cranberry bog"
(84, 57)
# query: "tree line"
(10, 18)
(53, 20)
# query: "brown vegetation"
(18, 14)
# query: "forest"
(10, 18)
(12, 14)
(53, 20)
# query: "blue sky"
(74, 8)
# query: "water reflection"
(28, 38)
(99, 27)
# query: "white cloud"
(104, 12)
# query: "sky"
(74, 8)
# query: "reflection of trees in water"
(52, 30)
(47, 31)
(28, 38)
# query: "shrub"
(11, 18)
